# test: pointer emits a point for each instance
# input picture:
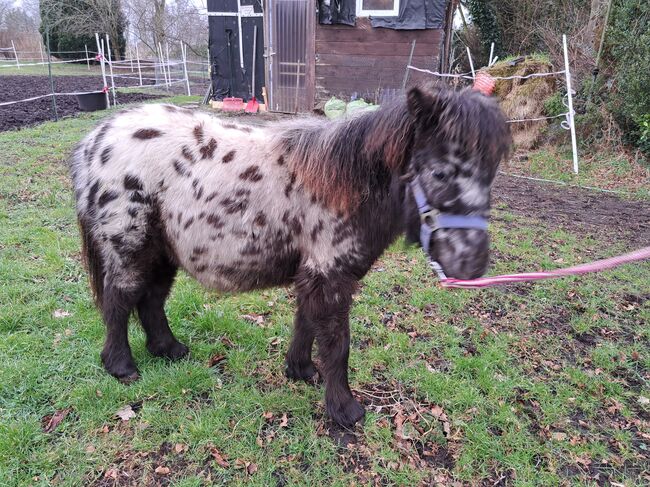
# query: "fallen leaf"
(268, 415)
(255, 319)
(219, 458)
(111, 473)
(90, 449)
(284, 421)
(50, 422)
(180, 448)
(125, 413)
(216, 360)
(162, 470)
(643, 400)
(251, 468)
(558, 436)
(59, 313)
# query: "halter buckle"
(430, 219)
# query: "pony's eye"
(439, 175)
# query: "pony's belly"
(238, 258)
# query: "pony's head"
(460, 137)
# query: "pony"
(306, 202)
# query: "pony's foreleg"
(299, 365)
(326, 302)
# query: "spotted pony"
(308, 202)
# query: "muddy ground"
(37, 111)
(606, 217)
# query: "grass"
(609, 171)
(536, 385)
(69, 69)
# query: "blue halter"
(432, 219)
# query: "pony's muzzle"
(462, 253)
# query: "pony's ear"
(420, 104)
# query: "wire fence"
(568, 122)
(159, 75)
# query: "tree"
(73, 24)
(159, 21)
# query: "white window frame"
(378, 13)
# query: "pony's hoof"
(346, 414)
(123, 369)
(308, 372)
(172, 351)
(129, 379)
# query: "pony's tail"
(93, 261)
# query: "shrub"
(628, 55)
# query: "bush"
(628, 56)
(644, 131)
(553, 105)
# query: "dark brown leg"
(299, 365)
(116, 356)
(325, 302)
(160, 339)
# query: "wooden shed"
(312, 50)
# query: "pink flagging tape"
(597, 266)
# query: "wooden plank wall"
(363, 59)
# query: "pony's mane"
(340, 162)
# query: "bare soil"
(606, 217)
(33, 112)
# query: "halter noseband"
(432, 219)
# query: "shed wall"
(361, 59)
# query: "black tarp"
(228, 79)
(413, 14)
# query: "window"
(378, 8)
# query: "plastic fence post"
(574, 143)
(110, 68)
(137, 59)
(13, 46)
(87, 57)
(100, 53)
(49, 70)
(187, 78)
(471, 63)
(491, 55)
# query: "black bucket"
(91, 102)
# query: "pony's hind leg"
(160, 339)
(299, 365)
(116, 306)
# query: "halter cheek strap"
(432, 219)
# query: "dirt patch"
(38, 111)
(603, 216)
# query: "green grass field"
(542, 384)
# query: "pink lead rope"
(597, 266)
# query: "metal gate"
(290, 43)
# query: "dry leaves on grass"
(162, 470)
(219, 457)
(250, 467)
(60, 313)
(51, 421)
(125, 413)
(259, 320)
(216, 360)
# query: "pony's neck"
(349, 161)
